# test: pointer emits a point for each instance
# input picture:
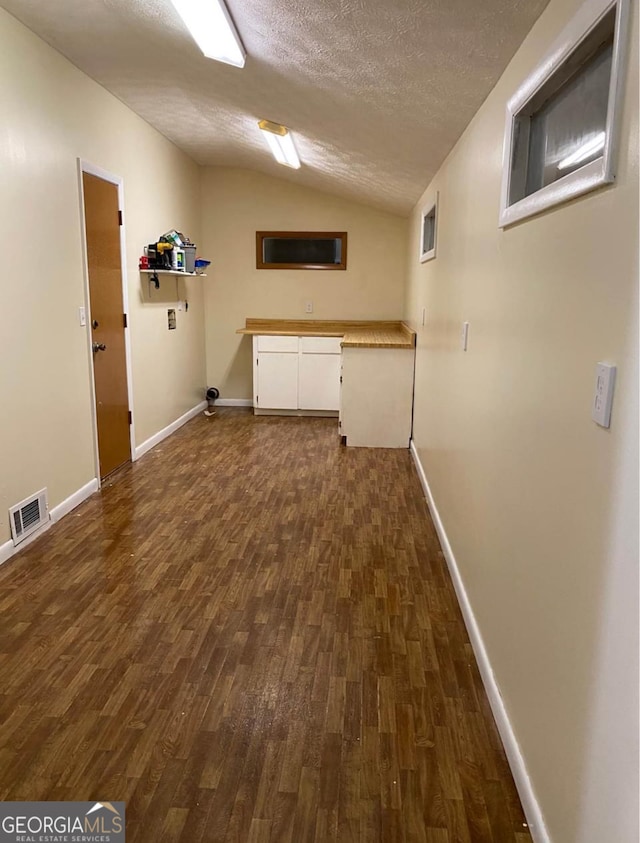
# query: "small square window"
(428, 233)
(562, 122)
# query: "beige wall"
(53, 114)
(540, 504)
(236, 204)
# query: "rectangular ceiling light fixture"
(212, 29)
(281, 143)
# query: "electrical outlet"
(603, 397)
(308, 307)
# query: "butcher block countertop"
(356, 334)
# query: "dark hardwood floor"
(250, 635)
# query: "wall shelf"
(177, 272)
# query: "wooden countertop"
(356, 334)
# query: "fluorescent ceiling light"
(212, 29)
(281, 143)
(583, 152)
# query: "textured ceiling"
(376, 92)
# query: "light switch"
(464, 336)
(82, 316)
(603, 397)
(424, 316)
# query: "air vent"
(28, 515)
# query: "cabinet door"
(319, 382)
(277, 381)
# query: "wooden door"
(102, 228)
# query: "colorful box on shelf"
(164, 258)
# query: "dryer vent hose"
(212, 395)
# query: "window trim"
(591, 175)
(427, 209)
(301, 235)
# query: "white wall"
(236, 204)
(52, 115)
(541, 505)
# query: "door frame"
(94, 170)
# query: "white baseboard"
(319, 414)
(8, 549)
(168, 430)
(530, 804)
(74, 500)
(234, 402)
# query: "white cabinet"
(377, 396)
(277, 384)
(371, 388)
(319, 373)
(319, 382)
(296, 374)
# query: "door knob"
(98, 346)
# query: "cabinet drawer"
(320, 345)
(266, 343)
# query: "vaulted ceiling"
(376, 92)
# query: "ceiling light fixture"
(212, 29)
(281, 143)
(583, 152)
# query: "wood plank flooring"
(250, 636)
